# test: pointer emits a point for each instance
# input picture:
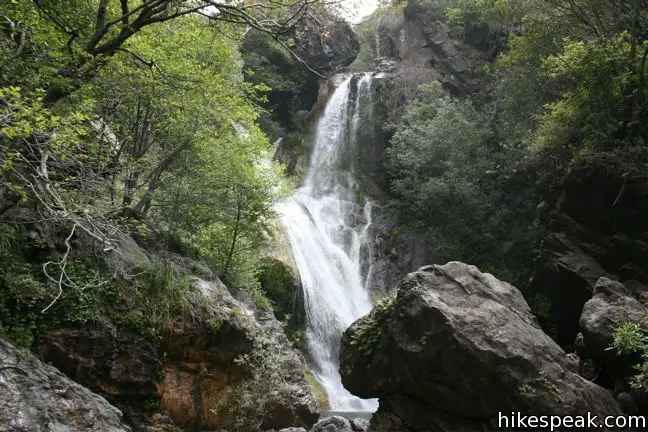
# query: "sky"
(358, 9)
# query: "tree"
(135, 150)
(81, 36)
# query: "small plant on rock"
(368, 332)
(632, 338)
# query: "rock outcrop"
(333, 424)
(326, 45)
(35, 397)
(453, 349)
(612, 305)
(597, 226)
(394, 249)
(198, 370)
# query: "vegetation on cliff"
(129, 119)
(567, 91)
(157, 141)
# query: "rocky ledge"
(36, 397)
(205, 374)
(454, 348)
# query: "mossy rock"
(283, 289)
(321, 398)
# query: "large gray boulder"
(612, 305)
(456, 347)
(36, 397)
(333, 424)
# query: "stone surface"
(333, 424)
(326, 46)
(596, 228)
(451, 336)
(394, 250)
(35, 397)
(359, 424)
(193, 369)
(611, 306)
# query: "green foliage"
(368, 333)
(629, 339)
(156, 296)
(278, 283)
(152, 404)
(450, 173)
(161, 295)
(568, 91)
(249, 401)
(268, 62)
(541, 306)
(167, 151)
(25, 291)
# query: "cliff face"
(597, 227)
(292, 66)
(223, 363)
(407, 50)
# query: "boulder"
(611, 306)
(326, 46)
(333, 424)
(456, 347)
(566, 275)
(198, 370)
(596, 228)
(359, 424)
(36, 397)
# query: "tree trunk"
(228, 262)
(144, 204)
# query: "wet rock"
(451, 336)
(333, 424)
(36, 397)
(359, 424)
(192, 370)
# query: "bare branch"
(62, 265)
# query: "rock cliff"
(225, 364)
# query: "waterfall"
(377, 36)
(327, 220)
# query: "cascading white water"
(377, 36)
(327, 228)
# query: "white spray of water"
(327, 228)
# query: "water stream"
(327, 221)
